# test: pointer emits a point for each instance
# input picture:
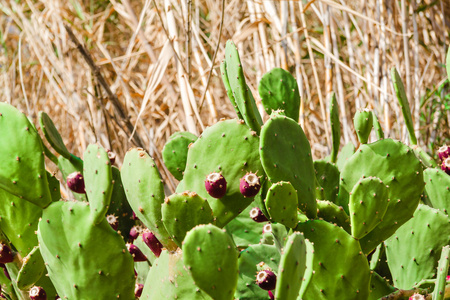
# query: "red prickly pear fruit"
(216, 185)
(447, 278)
(113, 221)
(446, 165)
(271, 295)
(266, 279)
(6, 255)
(152, 242)
(444, 152)
(37, 293)
(75, 182)
(249, 185)
(134, 233)
(138, 290)
(136, 253)
(111, 156)
(134, 217)
(257, 215)
(267, 228)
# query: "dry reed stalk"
(149, 80)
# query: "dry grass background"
(156, 56)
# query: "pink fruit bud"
(444, 152)
(417, 297)
(113, 221)
(446, 165)
(75, 182)
(136, 253)
(138, 290)
(216, 185)
(152, 242)
(6, 255)
(266, 280)
(134, 233)
(249, 185)
(271, 295)
(37, 293)
(257, 215)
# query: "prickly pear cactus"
(175, 152)
(333, 277)
(363, 122)
(92, 258)
(292, 268)
(145, 192)
(281, 203)
(241, 93)
(397, 167)
(170, 279)
(327, 176)
(279, 91)
(211, 257)
(250, 260)
(228, 147)
(368, 204)
(182, 212)
(437, 189)
(23, 170)
(286, 156)
(414, 250)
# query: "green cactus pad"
(404, 104)
(346, 152)
(368, 204)
(169, 279)
(53, 186)
(249, 261)
(379, 287)
(286, 156)
(23, 170)
(437, 189)
(119, 206)
(93, 259)
(279, 91)
(327, 176)
(281, 203)
(244, 230)
(175, 152)
(211, 257)
(228, 147)
(182, 212)
(442, 271)
(33, 267)
(363, 122)
(226, 83)
(334, 214)
(292, 268)
(415, 248)
(52, 135)
(19, 221)
(335, 128)
(333, 276)
(67, 167)
(397, 166)
(241, 93)
(98, 180)
(145, 192)
(377, 126)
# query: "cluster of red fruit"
(216, 185)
